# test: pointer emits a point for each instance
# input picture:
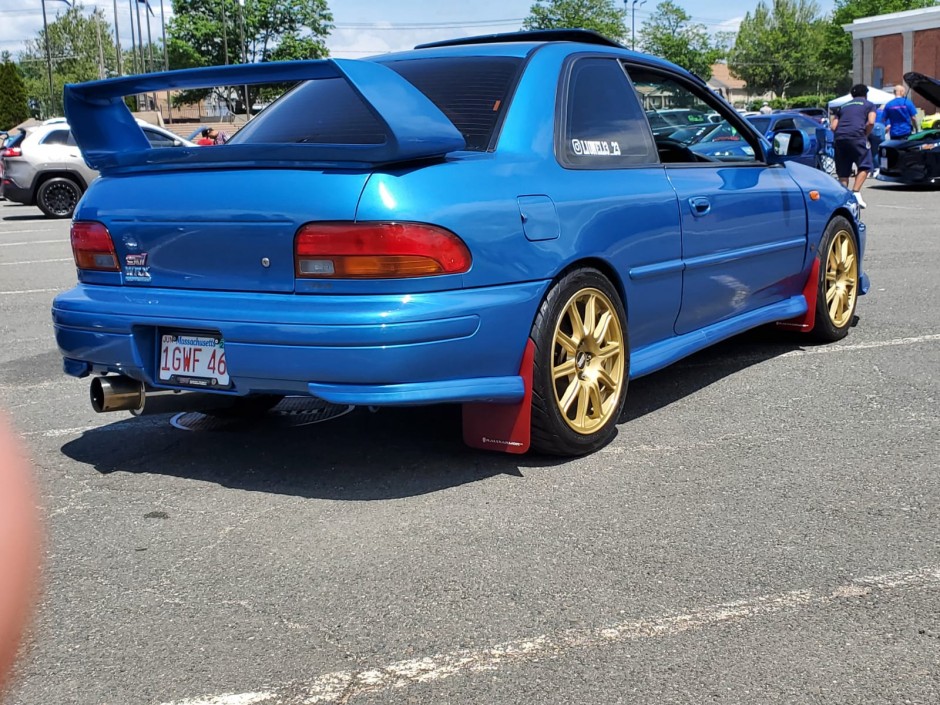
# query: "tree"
(671, 34)
(81, 50)
(14, 108)
(837, 48)
(273, 30)
(599, 15)
(778, 47)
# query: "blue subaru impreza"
(488, 221)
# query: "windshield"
(760, 124)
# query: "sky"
(364, 27)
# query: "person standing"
(851, 124)
(765, 109)
(900, 115)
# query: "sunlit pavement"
(764, 529)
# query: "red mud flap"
(805, 323)
(503, 427)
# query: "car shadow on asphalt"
(362, 456)
(38, 216)
(883, 186)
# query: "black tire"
(58, 196)
(596, 386)
(837, 292)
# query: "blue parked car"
(485, 221)
(812, 142)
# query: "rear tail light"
(377, 251)
(92, 247)
(12, 152)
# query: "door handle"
(700, 205)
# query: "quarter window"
(604, 125)
(58, 137)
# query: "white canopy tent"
(875, 95)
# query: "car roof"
(522, 44)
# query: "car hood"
(924, 86)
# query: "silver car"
(44, 167)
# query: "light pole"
(45, 34)
(241, 39)
(633, 22)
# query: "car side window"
(664, 97)
(786, 124)
(604, 126)
(158, 139)
(57, 137)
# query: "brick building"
(885, 47)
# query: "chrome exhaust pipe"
(120, 393)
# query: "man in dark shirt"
(851, 124)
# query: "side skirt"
(656, 356)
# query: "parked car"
(811, 142)
(914, 159)
(820, 115)
(43, 166)
(485, 221)
(665, 122)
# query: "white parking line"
(42, 230)
(36, 261)
(29, 291)
(820, 350)
(33, 242)
(343, 686)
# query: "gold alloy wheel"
(841, 278)
(588, 361)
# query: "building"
(885, 47)
(732, 89)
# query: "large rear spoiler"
(110, 138)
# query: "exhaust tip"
(116, 393)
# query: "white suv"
(43, 166)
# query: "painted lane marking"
(822, 350)
(36, 261)
(33, 242)
(41, 230)
(28, 291)
(343, 686)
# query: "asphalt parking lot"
(765, 528)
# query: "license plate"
(193, 359)
(884, 162)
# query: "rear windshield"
(325, 111)
(471, 91)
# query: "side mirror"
(788, 143)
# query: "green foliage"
(273, 30)
(778, 47)
(74, 46)
(800, 101)
(810, 101)
(837, 49)
(602, 16)
(671, 34)
(13, 106)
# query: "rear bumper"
(13, 192)
(453, 346)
